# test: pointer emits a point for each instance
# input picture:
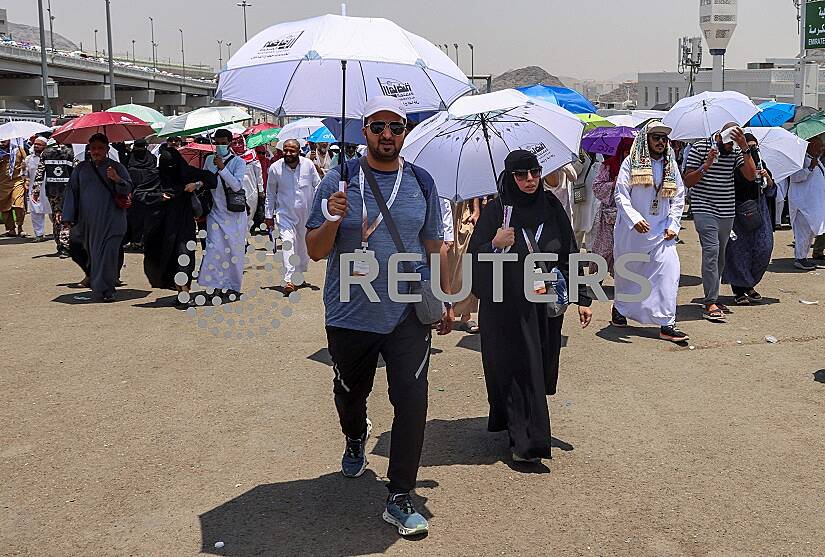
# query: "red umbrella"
(196, 153)
(118, 126)
(259, 128)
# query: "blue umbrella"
(566, 98)
(773, 114)
(322, 135)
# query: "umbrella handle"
(342, 186)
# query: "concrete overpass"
(78, 80)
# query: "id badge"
(654, 207)
(361, 266)
(539, 286)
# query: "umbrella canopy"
(282, 68)
(782, 152)
(606, 140)
(354, 131)
(566, 98)
(148, 115)
(704, 114)
(322, 135)
(203, 119)
(300, 129)
(463, 148)
(810, 126)
(21, 128)
(251, 130)
(262, 137)
(118, 126)
(593, 121)
(773, 114)
(196, 153)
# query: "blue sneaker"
(401, 513)
(354, 461)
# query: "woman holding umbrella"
(749, 254)
(520, 339)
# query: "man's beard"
(291, 159)
(377, 154)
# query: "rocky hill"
(523, 77)
(27, 34)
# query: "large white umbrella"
(635, 118)
(704, 114)
(203, 119)
(300, 129)
(782, 152)
(21, 128)
(464, 148)
(295, 68)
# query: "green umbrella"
(262, 137)
(148, 115)
(810, 126)
(593, 121)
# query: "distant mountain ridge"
(523, 77)
(27, 34)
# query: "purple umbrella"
(606, 140)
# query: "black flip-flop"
(742, 300)
(754, 295)
(716, 315)
(467, 327)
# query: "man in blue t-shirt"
(359, 330)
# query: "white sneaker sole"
(402, 530)
(364, 467)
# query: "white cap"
(385, 103)
(41, 139)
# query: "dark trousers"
(406, 351)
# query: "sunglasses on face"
(659, 137)
(377, 127)
(521, 175)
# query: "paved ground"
(127, 429)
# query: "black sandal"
(754, 295)
(742, 300)
(715, 315)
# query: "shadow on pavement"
(162, 302)
(462, 441)
(52, 254)
(819, 376)
(81, 298)
(689, 280)
(330, 515)
(784, 265)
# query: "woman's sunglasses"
(377, 127)
(521, 175)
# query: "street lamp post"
(456, 54)
(220, 55)
(111, 53)
(44, 66)
(228, 52)
(51, 24)
(472, 61)
(244, 4)
(95, 43)
(133, 51)
(154, 44)
(182, 55)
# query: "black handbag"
(235, 200)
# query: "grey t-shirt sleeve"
(327, 187)
(433, 228)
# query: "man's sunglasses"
(659, 137)
(521, 175)
(377, 127)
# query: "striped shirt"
(714, 194)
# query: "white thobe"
(584, 213)
(223, 260)
(806, 205)
(253, 186)
(564, 191)
(40, 208)
(289, 195)
(634, 204)
(447, 220)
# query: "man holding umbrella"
(358, 330)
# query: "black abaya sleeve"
(481, 242)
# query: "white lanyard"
(366, 232)
(527, 238)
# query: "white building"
(762, 81)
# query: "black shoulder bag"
(235, 200)
(430, 309)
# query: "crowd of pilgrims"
(155, 199)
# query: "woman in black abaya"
(170, 222)
(520, 340)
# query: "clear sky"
(598, 39)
